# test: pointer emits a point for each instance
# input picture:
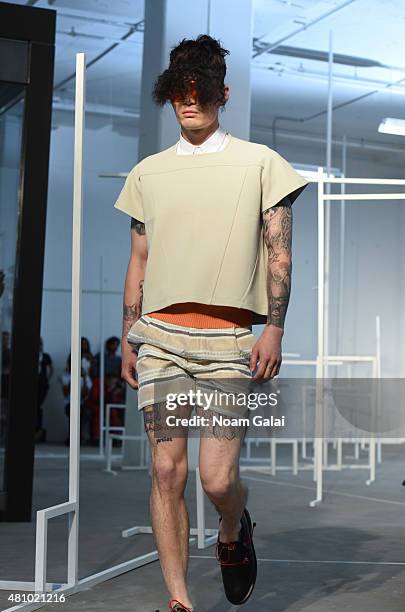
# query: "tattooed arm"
(277, 234)
(133, 293)
(277, 230)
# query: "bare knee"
(220, 484)
(170, 474)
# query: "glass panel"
(14, 61)
(11, 118)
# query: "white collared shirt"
(216, 142)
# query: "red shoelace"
(228, 547)
(175, 602)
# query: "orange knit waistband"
(192, 314)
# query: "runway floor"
(346, 554)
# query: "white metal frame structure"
(112, 434)
(270, 466)
(71, 507)
(322, 180)
(205, 537)
(324, 360)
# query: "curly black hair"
(201, 60)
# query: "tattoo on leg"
(148, 420)
(163, 439)
(152, 418)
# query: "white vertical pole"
(371, 454)
(75, 381)
(273, 454)
(41, 552)
(339, 326)
(378, 344)
(295, 457)
(329, 107)
(372, 440)
(378, 376)
(327, 211)
(304, 422)
(200, 510)
(108, 447)
(325, 453)
(339, 338)
(339, 454)
(101, 406)
(318, 433)
(323, 289)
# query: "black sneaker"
(238, 563)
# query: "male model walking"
(210, 255)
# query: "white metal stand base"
(205, 537)
(109, 454)
(210, 535)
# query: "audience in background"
(87, 356)
(114, 388)
(86, 385)
(112, 361)
(45, 371)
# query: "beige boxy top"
(203, 223)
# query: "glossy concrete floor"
(347, 554)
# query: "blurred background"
(290, 61)
(289, 95)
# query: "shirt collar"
(209, 145)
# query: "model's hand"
(267, 351)
(128, 365)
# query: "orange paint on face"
(191, 93)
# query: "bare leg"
(220, 478)
(170, 521)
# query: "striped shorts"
(177, 359)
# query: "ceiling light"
(390, 125)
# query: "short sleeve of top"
(279, 180)
(130, 198)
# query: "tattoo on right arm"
(132, 312)
(138, 226)
(277, 227)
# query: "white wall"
(374, 254)
(105, 233)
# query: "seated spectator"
(86, 385)
(45, 371)
(87, 356)
(114, 387)
(112, 361)
(114, 393)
